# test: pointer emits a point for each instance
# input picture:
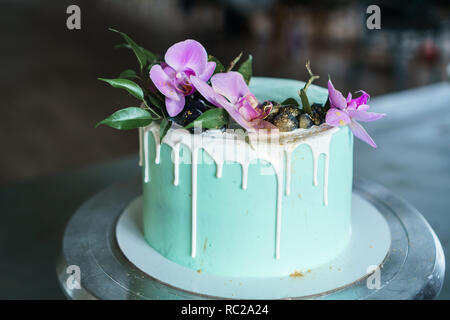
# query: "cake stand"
(100, 259)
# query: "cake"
(238, 180)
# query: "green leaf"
(128, 118)
(211, 119)
(133, 88)
(246, 69)
(138, 51)
(122, 45)
(219, 66)
(164, 127)
(290, 101)
(151, 57)
(129, 74)
(157, 113)
(153, 100)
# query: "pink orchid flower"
(229, 91)
(172, 78)
(346, 111)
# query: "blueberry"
(196, 101)
(188, 115)
(318, 108)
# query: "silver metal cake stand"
(92, 266)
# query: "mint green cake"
(239, 180)
(270, 213)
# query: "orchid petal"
(337, 100)
(187, 54)
(171, 73)
(351, 106)
(363, 107)
(209, 70)
(361, 133)
(230, 84)
(262, 124)
(163, 83)
(349, 97)
(248, 112)
(362, 99)
(365, 116)
(234, 113)
(337, 117)
(174, 107)
(208, 93)
(219, 101)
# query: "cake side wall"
(236, 228)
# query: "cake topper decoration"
(191, 88)
(347, 111)
(229, 91)
(172, 78)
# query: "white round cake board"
(367, 249)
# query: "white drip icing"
(279, 206)
(218, 146)
(147, 166)
(158, 153)
(194, 203)
(140, 146)
(219, 166)
(288, 172)
(325, 182)
(176, 164)
(244, 175)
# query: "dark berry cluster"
(291, 117)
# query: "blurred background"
(51, 99)
(52, 159)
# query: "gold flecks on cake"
(299, 195)
(296, 274)
(204, 244)
(199, 271)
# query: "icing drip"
(146, 167)
(244, 175)
(325, 182)
(219, 166)
(176, 163)
(224, 147)
(140, 146)
(194, 203)
(279, 205)
(288, 172)
(158, 153)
